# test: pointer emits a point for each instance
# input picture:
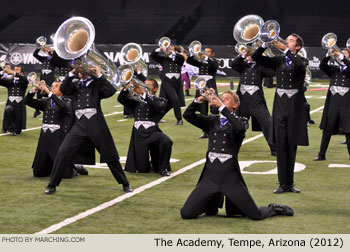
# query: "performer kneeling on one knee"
(146, 136)
(221, 173)
(56, 124)
(90, 126)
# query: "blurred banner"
(16, 54)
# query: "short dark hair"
(155, 83)
(300, 41)
(212, 49)
(19, 67)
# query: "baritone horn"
(127, 76)
(41, 42)
(74, 41)
(247, 29)
(132, 55)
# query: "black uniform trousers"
(13, 116)
(169, 91)
(157, 144)
(222, 178)
(285, 151)
(69, 148)
(43, 161)
(254, 105)
(334, 119)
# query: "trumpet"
(32, 78)
(2, 65)
(127, 76)
(201, 85)
(195, 48)
(131, 55)
(329, 42)
(164, 45)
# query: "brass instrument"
(247, 29)
(308, 74)
(32, 78)
(348, 44)
(246, 32)
(2, 65)
(41, 42)
(201, 85)
(164, 45)
(127, 76)
(74, 41)
(329, 42)
(132, 55)
(195, 48)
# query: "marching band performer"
(289, 115)
(337, 105)
(56, 124)
(15, 112)
(146, 137)
(221, 173)
(251, 93)
(49, 65)
(207, 69)
(171, 89)
(90, 126)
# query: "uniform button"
(214, 148)
(290, 73)
(224, 134)
(146, 118)
(87, 94)
(290, 79)
(214, 141)
(290, 85)
(78, 105)
(223, 149)
(224, 142)
(214, 134)
(87, 104)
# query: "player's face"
(228, 101)
(292, 43)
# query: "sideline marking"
(138, 190)
(338, 166)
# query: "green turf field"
(322, 207)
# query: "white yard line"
(138, 190)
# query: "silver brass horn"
(127, 76)
(132, 54)
(247, 29)
(32, 79)
(164, 43)
(270, 31)
(74, 40)
(329, 42)
(348, 44)
(240, 48)
(308, 74)
(41, 42)
(195, 48)
(201, 85)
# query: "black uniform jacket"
(289, 77)
(209, 68)
(99, 135)
(337, 78)
(227, 139)
(16, 89)
(170, 66)
(251, 76)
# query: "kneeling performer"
(221, 173)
